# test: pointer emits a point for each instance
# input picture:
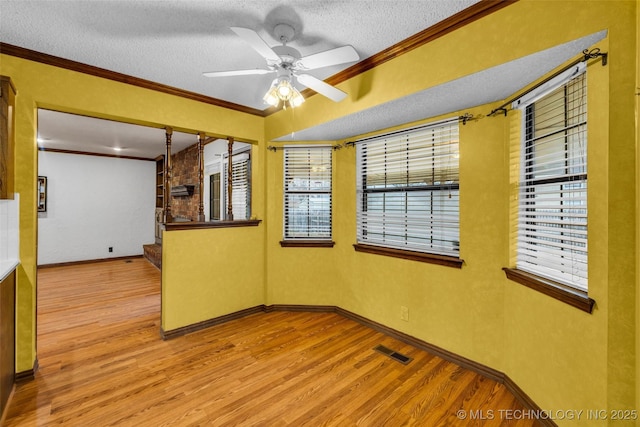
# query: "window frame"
(289, 163)
(431, 192)
(540, 277)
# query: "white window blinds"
(307, 192)
(408, 190)
(552, 206)
(240, 180)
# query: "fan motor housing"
(284, 33)
(288, 54)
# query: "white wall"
(9, 235)
(94, 203)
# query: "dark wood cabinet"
(7, 339)
(7, 144)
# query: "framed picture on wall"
(42, 194)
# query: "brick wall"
(186, 168)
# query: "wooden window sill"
(193, 225)
(574, 297)
(307, 243)
(447, 261)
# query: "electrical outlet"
(404, 313)
(110, 248)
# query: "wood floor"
(102, 363)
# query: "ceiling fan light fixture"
(271, 97)
(296, 99)
(290, 66)
(283, 90)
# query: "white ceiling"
(173, 41)
(63, 131)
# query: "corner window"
(408, 190)
(552, 206)
(307, 193)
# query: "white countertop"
(7, 266)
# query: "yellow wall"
(637, 92)
(550, 327)
(224, 275)
(561, 357)
(45, 86)
(301, 273)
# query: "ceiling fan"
(289, 65)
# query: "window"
(241, 183)
(552, 205)
(307, 193)
(408, 190)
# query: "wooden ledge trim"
(447, 261)
(86, 153)
(551, 288)
(452, 23)
(9, 82)
(307, 243)
(442, 28)
(171, 226)
(91, 70)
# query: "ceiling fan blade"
(339, 55)
(256, 42)
(321, 87)
(256, 71)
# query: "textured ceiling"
(487, 86)
(173, 41)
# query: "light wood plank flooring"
(102, 363)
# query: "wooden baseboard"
(178, 332)
(302, 308)
(526, 401)
(423, 345)
(486, 371)
(89, 261)
(27, 375)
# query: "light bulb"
(272, 100)
(284, 90)
(297, 99)
(271, 97)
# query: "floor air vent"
(393, 354)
